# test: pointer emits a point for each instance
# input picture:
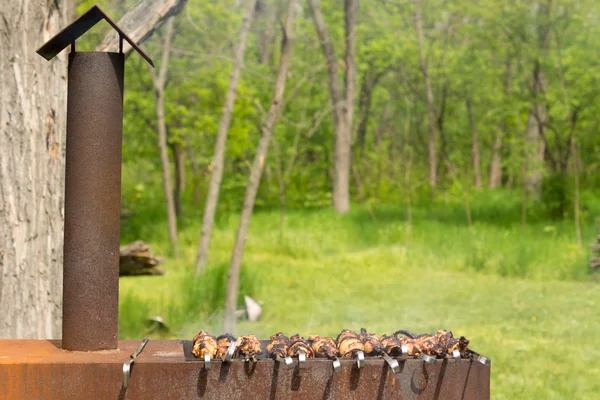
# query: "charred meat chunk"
(204, 343)
(298, 344)
(392, 345)
(410, 342)
(248, 346)
(372, 343)
(349, 343)
(323, 346)
(223, 343)
(278, 345)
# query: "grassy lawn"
(521, 295)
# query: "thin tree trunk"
(496, 164)
(342, 103)
(474, 147)
(536, 122)
(430, 104)
(263, 24)
(179, 156)
(140, 22)
(212, 198)
(365, 99)
(33, 99)
(256, 173)
(575, 152)
(159, 93)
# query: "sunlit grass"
(521, 294)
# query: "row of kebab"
(348, 344)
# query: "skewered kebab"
(223, 343)
(374, 347)
(205, 346)
(391, 345)
(278, 348)
(371, 342)
(325, 347)
(301, 348)
(248, 346)
(350, 345)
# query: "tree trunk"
(496, 165)
(342, 103)
(212, 198)
(33, 94)
(140, 22)
(179, 156)
(159, 93)
(430, 105)
(536, 121)
(263, 25)
(475, 159)
(365, 98)
(534, 151)
(256, 173)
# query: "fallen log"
(137, 259)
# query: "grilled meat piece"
(278, 345)
(204, 343)
(223, 343)
(409, 340)
(431, 345)
(349, 343)
(461, 344)
(323, 346)
(372, 343)
(298, 344)
(392, 345)
(248, 346)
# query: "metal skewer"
(230, 352)
(289, 363)
(482, 359)
(302, 359)
(207, 363)
(404, 348)
(456, 354)
(428, 359)
(392, 363)
(337, 365)
(132, 357)
(360, 359)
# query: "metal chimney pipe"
(92, 201)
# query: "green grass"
(523, 296)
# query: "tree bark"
(256, 173)
(159, 93)
(365, 98)
(212, 198)
(496, 164)
(33, 94)
(429, 96)
(179, 156)
(475, 158)
(342, 103)
(535, 146)
(140, 22)
(262, 14)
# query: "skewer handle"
(337, 365)
(360, 359)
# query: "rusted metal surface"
(39, 369)
(80, 26)
(92, 201)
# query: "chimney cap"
(83, 24)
